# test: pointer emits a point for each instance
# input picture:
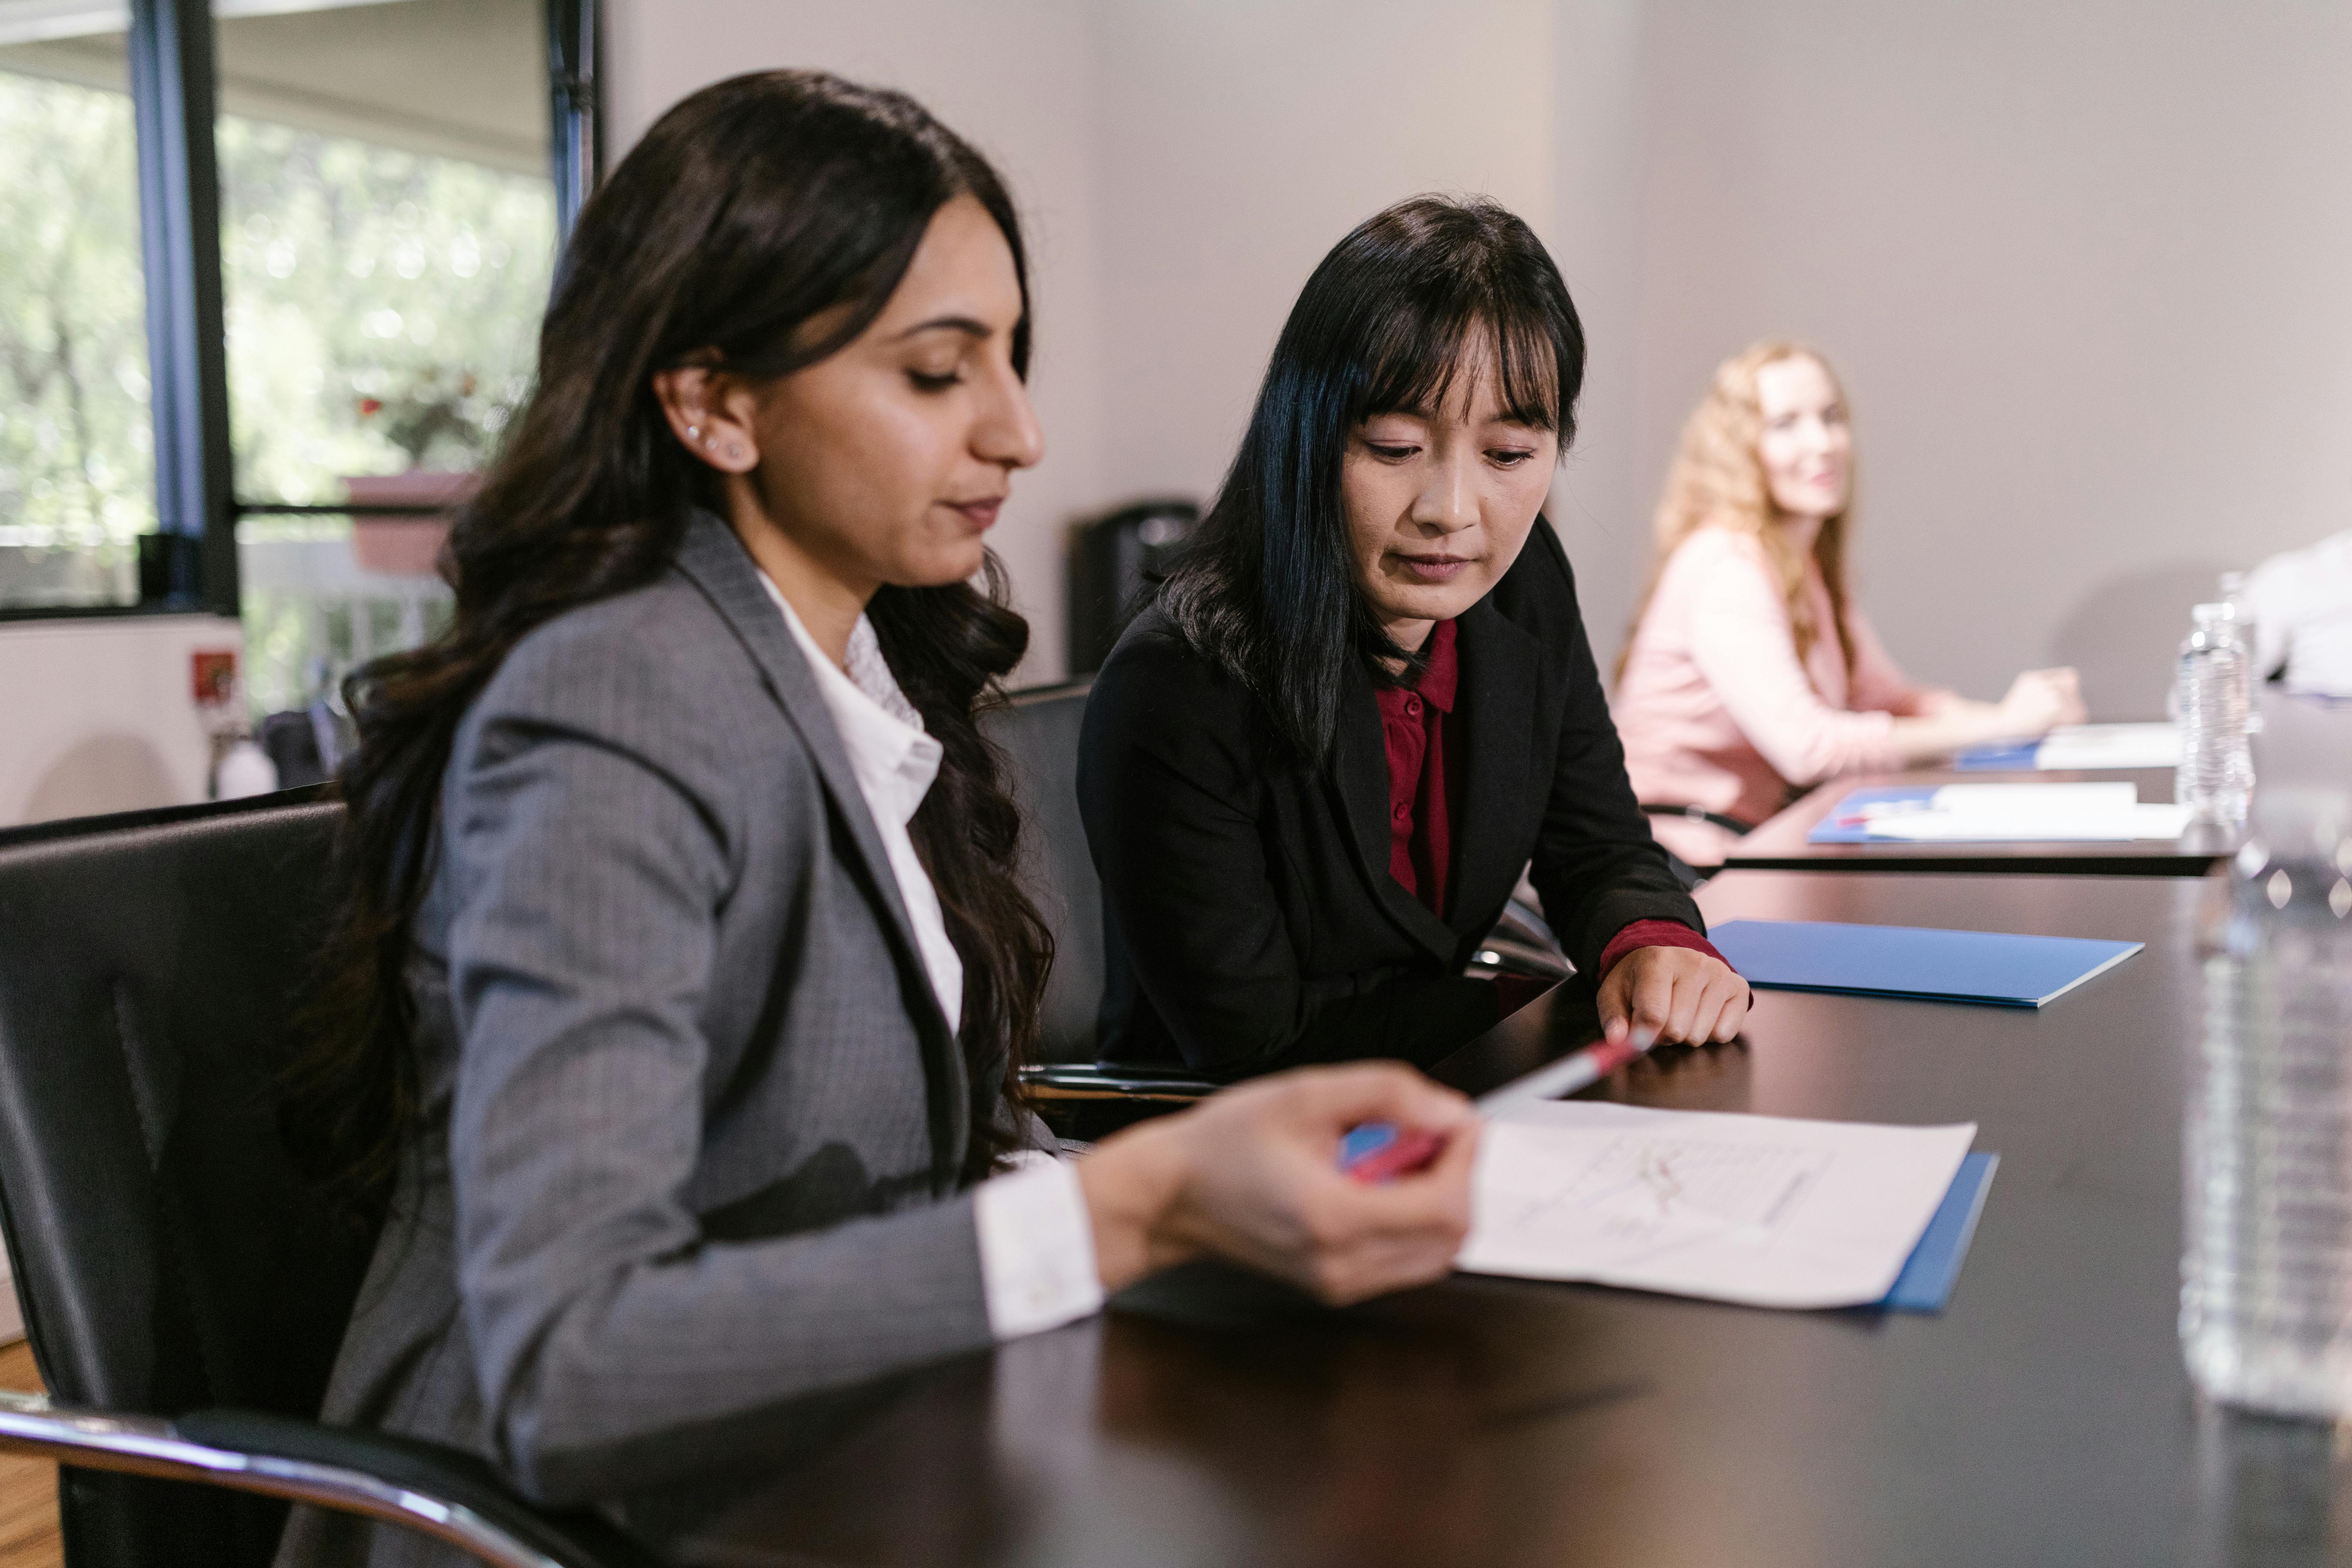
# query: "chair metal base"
(148, 1445)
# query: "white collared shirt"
(894, 762)
(1036, 1239)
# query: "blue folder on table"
(1927, 964)
(1934, 1267)
(1846, 822)
(2019, 756)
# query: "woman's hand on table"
(1679, 995)
(1251, 1175)
(2038, 702)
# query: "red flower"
(371, 406)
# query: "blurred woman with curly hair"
(1750, 673)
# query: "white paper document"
(2110, 746)
(2022, 813)
(1988, 827)
(1765, 1210)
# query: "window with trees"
(334, 224)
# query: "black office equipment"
(184, 1289)
(1113, 560)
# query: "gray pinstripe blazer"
(692, 1114)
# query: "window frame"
(189, 564)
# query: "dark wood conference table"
(2304, 742)
(2043, 1418)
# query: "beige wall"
(101, 714)
(2087, 267)
(1243, 139)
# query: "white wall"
(101, 714)
(1600, 500)
(2088, 268)
(1182, 168)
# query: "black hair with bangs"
(1266, 590)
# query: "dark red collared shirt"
(1424, 781)
(1421, 815)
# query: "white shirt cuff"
(1036, 1248)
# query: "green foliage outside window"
(77, 461)
(383, 312)
(354, 275)
(383, 306)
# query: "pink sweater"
(1715, 710)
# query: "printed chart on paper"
(1647, 1189)
(1643, 1192)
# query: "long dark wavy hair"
(749, 212)
(1266, 590)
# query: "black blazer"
(1249, 919)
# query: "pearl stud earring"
(694, 432)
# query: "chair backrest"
(166, 1254)
(1039, 731)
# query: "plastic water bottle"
(2266, 1256)
(2249, 636)
(2216, 780)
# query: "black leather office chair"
(1039, 731)
(185, 1292)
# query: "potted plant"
(444, 424)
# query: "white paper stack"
(2086, 746)
(1766, 1210)
(2026, 813)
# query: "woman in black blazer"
(1313, 771)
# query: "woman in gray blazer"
(682, 972)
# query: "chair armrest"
(1086, 1080)
(444, 1492)
(1522, 922)
(1730, 824)
(1500, 954)
(1521, 943)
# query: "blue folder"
(1934, 1267)
(1911, 960)
(1845, 823)
(2017, 757)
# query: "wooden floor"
(28, 1488)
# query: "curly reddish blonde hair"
(1717, 480)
